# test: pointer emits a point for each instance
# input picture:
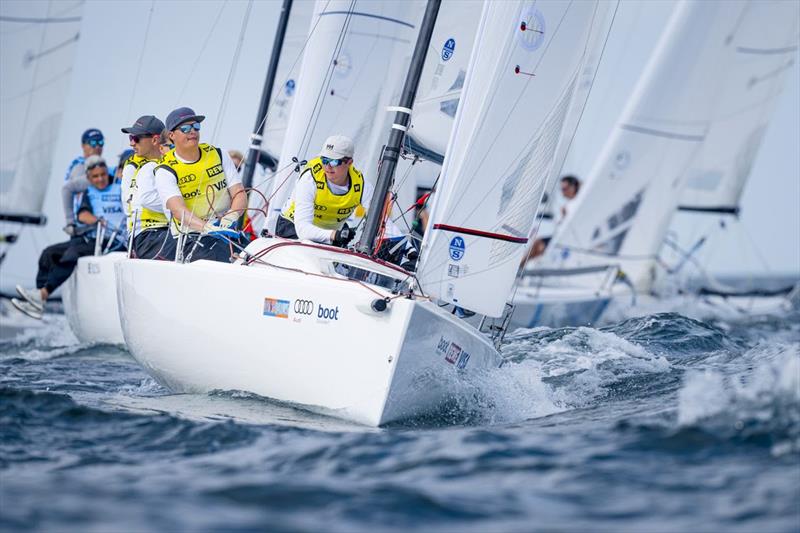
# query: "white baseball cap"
(337, 147)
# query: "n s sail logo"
(457, 248)
(448, 49)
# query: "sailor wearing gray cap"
(199, 186)
(329, 190)
(146, 218)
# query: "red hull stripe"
(479, 233)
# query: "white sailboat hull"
(90, 300)
(564, 306)
(297, 336)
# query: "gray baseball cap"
(145, 125)
(337, 147)
(181, 115)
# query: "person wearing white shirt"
(328, 192)
(199, 185)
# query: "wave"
(47, 426)
(760, 404)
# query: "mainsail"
(762, 49)
(526, 64)
(350, 56)
(37, 48)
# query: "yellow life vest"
(148, 219)
(331, 210)
(202, 183)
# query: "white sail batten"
(623, 211)
(348, 60)
(525, 66)
(37, 63)
(758, 63)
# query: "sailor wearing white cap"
(328, 191)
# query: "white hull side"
(202, 326)
(558, 307)
(90, 300)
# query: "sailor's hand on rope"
(343, 236)
(230, 221)
(69, 229)
(225, 227)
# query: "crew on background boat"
(146, 218)
(327, 192)
(75, 182)
(570, 185)
(201, 188)
(101, 205)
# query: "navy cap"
(92, 134)
(181, 115)
(145, 125)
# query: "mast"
(269, 82)
(400, 126)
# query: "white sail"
(285, 87)
(443, 78)
(525, 67)
(762, 50)
(622, 213)
(37, 49)
(347, 61)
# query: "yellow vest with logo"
(331, 210)
(202, 184)
(148, 219)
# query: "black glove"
(343, 236)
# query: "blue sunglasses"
(93, 143)
(333, 162)
(186, 128)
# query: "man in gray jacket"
(75, 182)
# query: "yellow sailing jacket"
(331, 210)
(202, 183)
(148, 219)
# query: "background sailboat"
(622, 214)
(38, 43)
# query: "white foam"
(764, 393)
(570, 372)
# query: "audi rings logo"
(303, 307)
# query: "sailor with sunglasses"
(328, 191)
(75, 182)
(146, 218)
(198, 184)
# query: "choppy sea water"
(654, 423)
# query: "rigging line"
(538, 223)
(33, 57)
(37, 87)
(210, 33)
(513, 108)
(231, 72)
(316, 112)
(289, 71)
(552, 190)
(25, 121)
(141, 58)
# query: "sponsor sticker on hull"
(276, 308)
(453, 353)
